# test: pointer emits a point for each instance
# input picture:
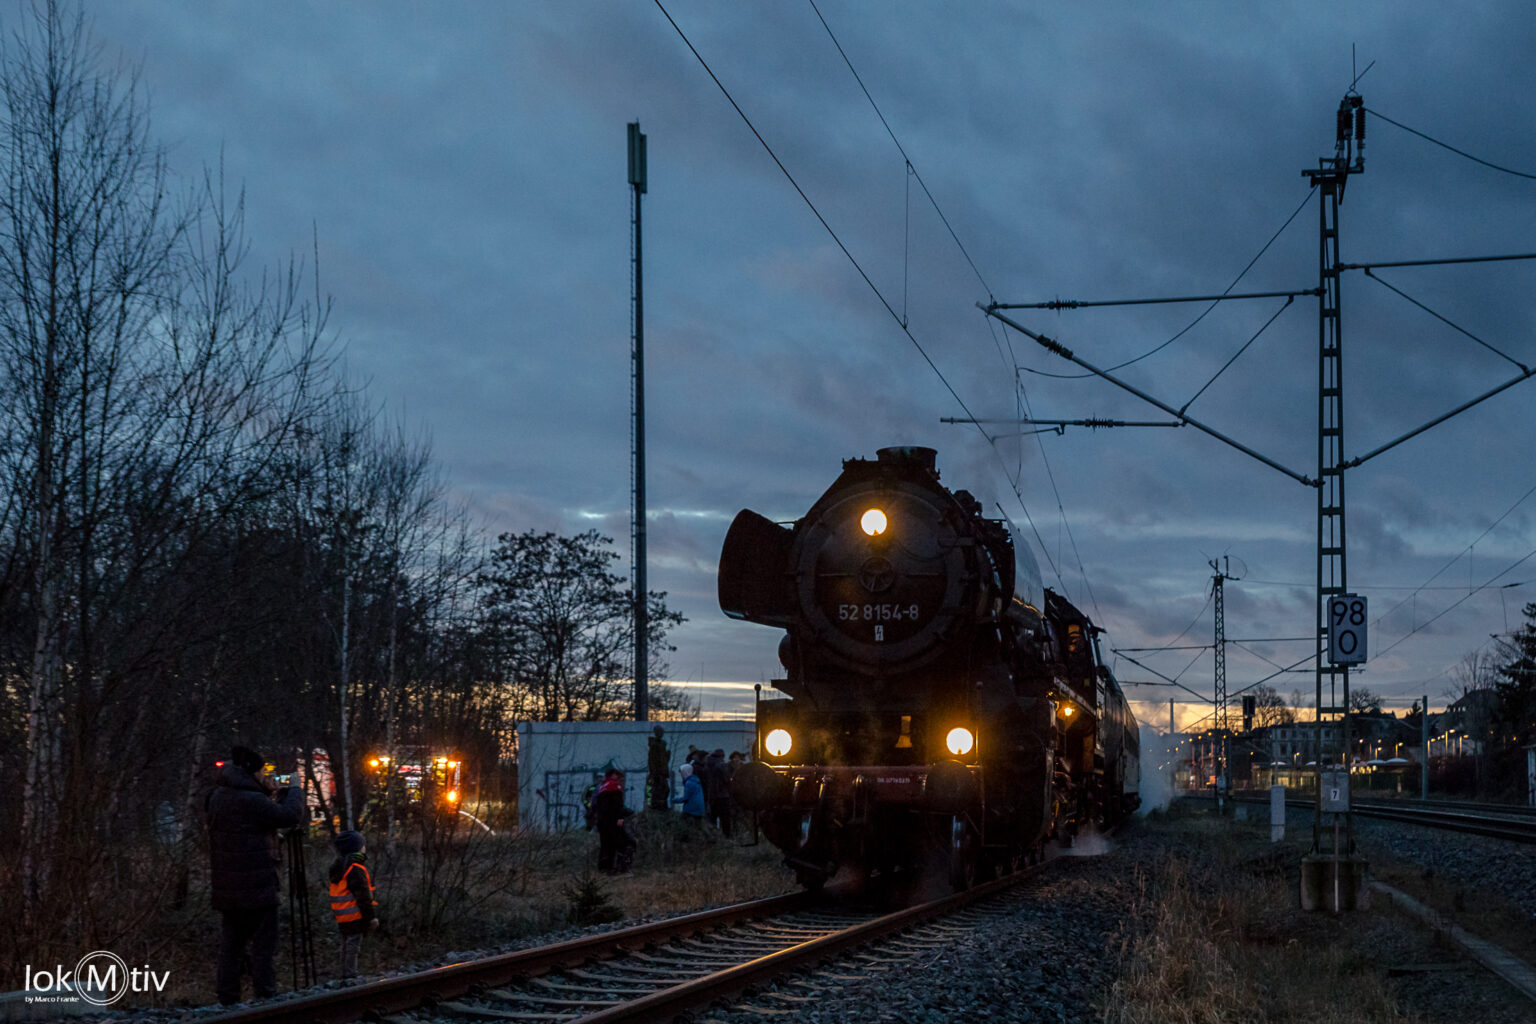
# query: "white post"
(1276, 813)
(1530, 775)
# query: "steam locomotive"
(941, 708)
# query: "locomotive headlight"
(777, 743)
(873, 522)
(959, 741)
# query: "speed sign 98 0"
(1346, 629)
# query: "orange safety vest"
(343, 903)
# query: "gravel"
(1498, 868)
(1044, 957)
(1056, 956)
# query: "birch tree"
(145, 386)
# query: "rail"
(1499, 821)
(631, 950)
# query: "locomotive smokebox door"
(754, 563)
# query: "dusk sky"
(462, 167)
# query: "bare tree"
(144, 390)
(1269, 708)
(564, 625)
(1363, 699)
(1477, 670)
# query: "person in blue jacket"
(693, 796)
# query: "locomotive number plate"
(876, 612)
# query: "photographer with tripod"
(244, 816)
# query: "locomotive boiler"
(938, 706)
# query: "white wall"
(556, 761)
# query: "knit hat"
(247, 759)
(348, 842)
(685, 769)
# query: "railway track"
(648, 972)
(1483, 822)
(1516, 824)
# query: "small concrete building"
(557, 761)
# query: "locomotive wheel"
(962, 854)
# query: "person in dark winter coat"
(615, 848)
(352, 900)
(657, 767)
(693, 796)
(243, 853)
(717, 792)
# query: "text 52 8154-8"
(876, 612)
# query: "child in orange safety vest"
(352, 898)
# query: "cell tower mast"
(637, 367)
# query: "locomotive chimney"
(910, 455)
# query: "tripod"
(302, 950)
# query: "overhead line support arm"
(1088, 303)
(1526, 375)
(1437, 262)
(1052, 345)
(1170, 682)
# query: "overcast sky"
(463, 167)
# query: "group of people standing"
(705, 779)
(709, 798)
(705, 797)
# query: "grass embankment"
(469, 890)
(1216, 934)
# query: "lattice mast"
(1223, 723)
(1330, 177)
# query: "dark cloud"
(463, 171)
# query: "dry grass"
(469, 890)
(1219, 937)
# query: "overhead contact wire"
(1050, 475)
(1425, 585)
(1013, 480)
(1370, 273)
(924, 185)
(1204, 313)
(1453, 149)
(1225, 366)
(813, 208)
(1460, 601)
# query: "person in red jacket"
(352, 898)
(615, 849)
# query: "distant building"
(1464, 728)
(1380, 736)
(1295, 744)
